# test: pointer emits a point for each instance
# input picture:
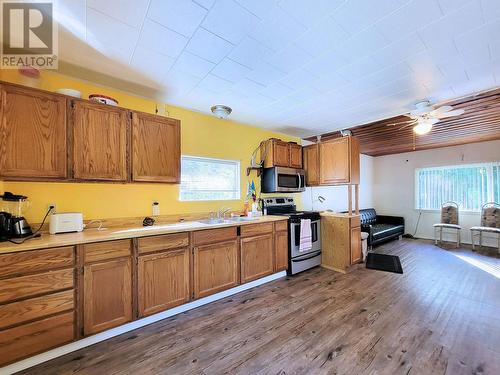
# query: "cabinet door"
(99, 142)
(163, 281)
(281, 251)
(156, 148)
(311, 164)
(334, 161)
(256, 257)
(107, 295)
(32, 134)
(356, 245)
(295, 155)
(281, 154)
(215, 268)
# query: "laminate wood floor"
(442, 316)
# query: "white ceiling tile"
(71, 14)
(356, 15)
(362, 44)
(278, 30)
(299, 79)
(248, 87)
(230, 21)
(129, 12)
(329, 82)
(215, 84)
(183, 17)
(400, 50)
(309, 12)
(265, 74)
(207, 4)
(409, 18)
(151, 63)
(440, 34)
(425, 70)
(230, 70)
(451, 5)
(160, 39)
(111, 37)
(325, 35)
(261, 8)
(360, 68)
(491, 9)
(388, 74)
(179, 83)
(290, 58)
(208, 46)
(479, 36)
(194, 65)
(249, 52)
(277, 90)
(327, 63)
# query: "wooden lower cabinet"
(281, 251)
(107, 295)
(215, 268)
(356, 255)
(256, 257)
(163, 280)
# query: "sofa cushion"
(368, 216)
(386, 230)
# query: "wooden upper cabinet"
(311, 164)
(99, 142)
(156, 148)
(32, 133)
(339, 161)
(295, 151)
(107, 295)
(277, 153)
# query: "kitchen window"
(470, 185)
(208, 179)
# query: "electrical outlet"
(156, 208)
(53, 206)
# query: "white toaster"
(66, 222)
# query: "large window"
(469, 185)
(205, 179)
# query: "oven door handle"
(310, 257)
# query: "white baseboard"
(71, 347)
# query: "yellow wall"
(202, 135)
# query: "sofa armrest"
(394, 220)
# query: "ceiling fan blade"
(456, 112)
(440, 110)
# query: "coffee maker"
(12, 222)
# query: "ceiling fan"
(424, 116)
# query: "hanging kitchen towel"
(305, 235)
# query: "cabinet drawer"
(96, 252)
(203, 237)
(168, 241)
(23, 311)
(256, 229)
(36, 260)
(32, 338)
(280, 226)
(355, 221)
(32, 285)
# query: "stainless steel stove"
(297, 261)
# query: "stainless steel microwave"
(279, 179)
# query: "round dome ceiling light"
(221, 111)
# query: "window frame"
(489, 182)
(237, 163)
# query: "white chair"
(449, 220)
(490, 223)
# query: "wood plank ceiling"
(480, 122)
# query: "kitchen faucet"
(222, 211)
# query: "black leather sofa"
(381, 228)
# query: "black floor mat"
(383, 262)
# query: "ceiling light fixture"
(422, 127)
(221, 111)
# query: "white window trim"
(229, 161)
(455, 166)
